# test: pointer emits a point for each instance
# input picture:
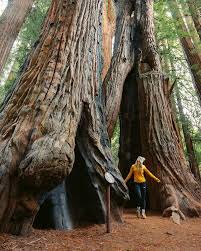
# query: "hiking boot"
(138, 212)
(143, 214)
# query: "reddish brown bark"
(11, 22)
(121, 64)
(158, 137)
(58, 96)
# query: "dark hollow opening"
(83, 205)
(83, 194)
(44, 216)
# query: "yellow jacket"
(138, 174)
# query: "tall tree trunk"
(58, 96)
(122, 34)
(159, 140)
(119, 14)
(195, 10)
(121, 64)
(193, 56)
(11, 22)
(108, 26)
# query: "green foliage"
(27, 37)
(168, 33)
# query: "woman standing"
(138, 170)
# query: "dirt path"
(154, 233)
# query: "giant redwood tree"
(56, 102)
(58, 203)
(157, 138)
(55, 121)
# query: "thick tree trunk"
(193, 56)
(178, 191)
(195, 10)
(109, 21)
(188, 140)
(165, 155)
(121, 64)
(11, 22)
(121, 16)
(60, 88)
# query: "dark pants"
(140, 193)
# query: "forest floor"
(153, 233)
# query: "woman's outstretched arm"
(129, 175)
(151, 174)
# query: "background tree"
(187, 137)
(27, 36)
(10, 24)
(170, 49)
(194, 8)
(191, 51)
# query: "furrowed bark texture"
(109, 15)
(179, 191)
(193, 57)
(121, 64)
(59, 88)
(11, 22)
